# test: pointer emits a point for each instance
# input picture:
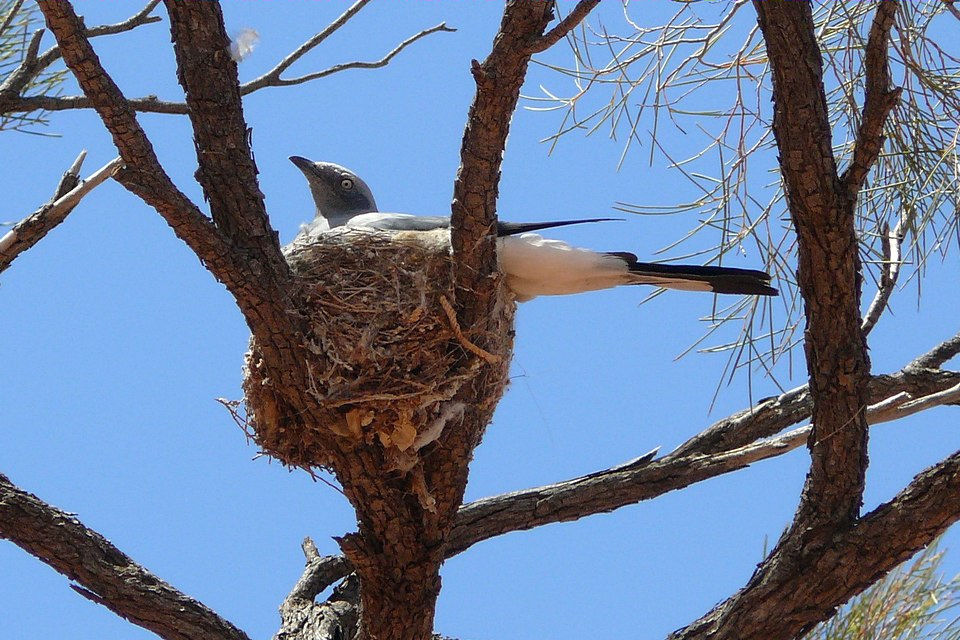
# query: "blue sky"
(118, 342)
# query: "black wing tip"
(745, 288)
(513, 228)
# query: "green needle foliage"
(911, 603)
(704, 74)
(18, 22)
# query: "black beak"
(302, 163)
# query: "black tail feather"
(720, 279)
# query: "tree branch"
(938, 356)
(148, 104)
(891, 396)
(879, 99)
(829, 269)
(142, 174)
(786, 594)
(274, 74)
(774, 414)
(273, 77)
(357, 64)
(138, 19)
(227, 171)
(25, 72)
(248, 277)
(16, 103)
(564, 27)
(319, 573)
(474, 208)
(70, 191)
(113, 579)
(11, 98)
(952, 8)
(604, 491)
(855, 558)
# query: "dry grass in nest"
(384, 355)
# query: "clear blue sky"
(117, 342)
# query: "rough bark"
(828, 271)
(794, 588)
(474, 209)
(811, 585)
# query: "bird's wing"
(398, 222)
(408, 222)
(537, 266)
(514, 228)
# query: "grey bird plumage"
(533, 265)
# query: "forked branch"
(879, 98)
(563, 27)
(794, 587)
(16, 102)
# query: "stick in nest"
(455, 326)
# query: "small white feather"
(243, 44)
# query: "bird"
(532, 265)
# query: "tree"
(829, 553)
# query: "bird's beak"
(303, 164)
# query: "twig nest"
(385, 356)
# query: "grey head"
(339, 193)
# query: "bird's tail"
(699, 278)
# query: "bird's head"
(338, 192)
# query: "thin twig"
(455, 327)
(152, 104)
(889, 274)
(274, 74)
(358, 64)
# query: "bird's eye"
(346, 183)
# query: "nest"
(384, 356)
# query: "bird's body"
(532, 265)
